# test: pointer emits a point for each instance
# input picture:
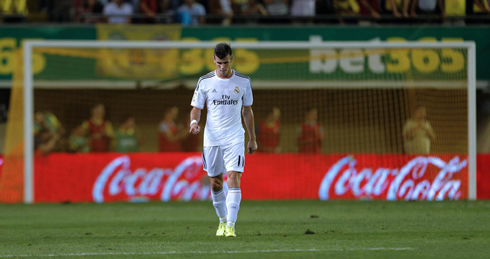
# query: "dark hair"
(222, 50)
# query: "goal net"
(379, 106)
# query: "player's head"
(420, 113)
(172, 113)
(311, 114)
(39, 117)
(275, 114)
(130, 122)
(98, 110)
(223, 56)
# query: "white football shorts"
(218, 160)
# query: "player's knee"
(233, 179)
(217, 185)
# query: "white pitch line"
(214, 252)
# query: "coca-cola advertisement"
(420, 178)
(179, 176)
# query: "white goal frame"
(29, 80)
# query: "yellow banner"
(138, 63)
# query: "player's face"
(174, 113)
(99, 111)
(312, 115)
(421, 113)
(38, 117)
(223, 66)
(276, 114)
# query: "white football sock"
(233, 205)
(219, 203)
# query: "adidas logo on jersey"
(214, 91)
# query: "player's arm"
(173, 137)
(430, 131)
(248, 118)
(195, 118)
(409, 130)
(197, 103)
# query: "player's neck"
(228, 76)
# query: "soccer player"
(269, 132)
(310, 135)
(169, 135)
(99, 130)
(226, 93)
(418, 133)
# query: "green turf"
(342, 229)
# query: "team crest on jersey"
(237, 90)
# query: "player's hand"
(195, 129)
(252, 146)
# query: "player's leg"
(233, 200)
(234, 157)
(213, 165)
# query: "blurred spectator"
(153, 7)
(118, 12)
(16, 8)
(227, 11)
(45, 142)
(418, 133)
(149, 8)
(369, 7)
(89, 7)
(47, 120)
(455, 7)
(277, 7)
(58, 10)
(169, 135)
(223, 8)
(397, 7)
(303, 8)
(78, 142)
(99, 130)
(346, 7)
(477, 7)
(426, 7)
(310, 135)
(47, 133)
(250, 7)
(128, 137)
(191, 142)
(269, 132)
(191, 13)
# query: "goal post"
(30, 46)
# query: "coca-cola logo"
(183, 182)
(410, 181)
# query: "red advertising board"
(483, 176)
(1, 165)
(179, 176)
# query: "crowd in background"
(97, 134)
(193, 12)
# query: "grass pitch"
(279, 229)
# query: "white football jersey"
(224, 99)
